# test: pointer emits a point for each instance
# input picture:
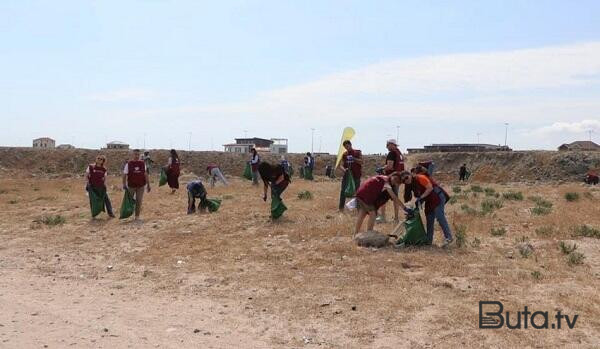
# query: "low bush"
(572, 197)
(489, 191)
(539, 201)
(512, 195)
(587, 231)
(566, 248)
(498, 231)
(53, 220)
(541, 211)
(456, 189)
(305, 195)
(575, 258)
(489, 205)
(536, 275)
(476, 188)
(545, 230)
(460, 232)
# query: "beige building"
(65, 146)
(44, 143)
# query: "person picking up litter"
(275, 177)
(373, 194)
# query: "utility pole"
(397, 134)
(590, 132)
(320, 143)
(245, 133)
(505, 133)
(144, 140)
(478, 134)
(312, 140)
(190, 142)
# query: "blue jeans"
(438, 213)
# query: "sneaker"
(447, 242)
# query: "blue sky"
(87, 72)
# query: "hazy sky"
(87, 72)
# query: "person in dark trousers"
(196, 190)
(173, 171)
(427, 192)
(394, 162)
(254, 163)
(351, 165)
(96, 180)
(135, 178)
(273, 176)
(372, 194)
(462, 173)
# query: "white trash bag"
(352, 204)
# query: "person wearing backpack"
(428, 193)
(350, 165)
(135, 178)
(96, 181)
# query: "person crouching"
(196, 190)
(374, 193)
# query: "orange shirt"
(423, 180)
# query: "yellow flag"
(346, 136)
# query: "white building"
(65, 146)
(244, 145)
(279, 146)
(117, 145)
(44, 143)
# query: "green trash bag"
(247, 172)
(415, 232)
(467, 175)
(308, 174)
(162, 180)
(277, 207)
(97, 196)
(213, 205)
(350, 190)
(127, 206)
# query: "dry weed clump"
(567, 248)
(305, 195)
(575, 258)
(511, 195)
(490, 205)
(570, 196)
(52, 220)
(498, 231)
(545, 231)
(587, 231)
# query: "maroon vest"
(136, 176)
(356, 167)
(399, 164)
(96, 176)
(371, 189)
(174, 167)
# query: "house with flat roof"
(117, 145)
(44, 143)
(579, 146)
(244, 145)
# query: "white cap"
(392, 141)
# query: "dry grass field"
(234, 279)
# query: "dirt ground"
(234, 279)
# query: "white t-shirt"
(126, 168)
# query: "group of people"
(373, 193)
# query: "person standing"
(173, 171)
(214, 172)
(351, 165)
(462, 173)
(147, 161)
(285, 164)
(428, 192)
(374, 193)
(96, 181)
(254, 162)
(135, 178)
(394, 162)
(196, 190)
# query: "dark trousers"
(463, 177)
(344, 182)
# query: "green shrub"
(456, 189)
(541, 211)
(467, 209)
(575, 258)
(511, 195)
(227, 197)
(476, 242)
(53, 220)
(305, 195)
(567, 248)
(475, 195)
(587, 231)
(498, 231)
(572, 197)
(536, 275)
(539, 201)
(489, 191)
(489, 205)
(525, 250)
(546, 230)
(460, 232)
(476, 188)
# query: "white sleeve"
(87, 170)
(170, 162)
(126, 168)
